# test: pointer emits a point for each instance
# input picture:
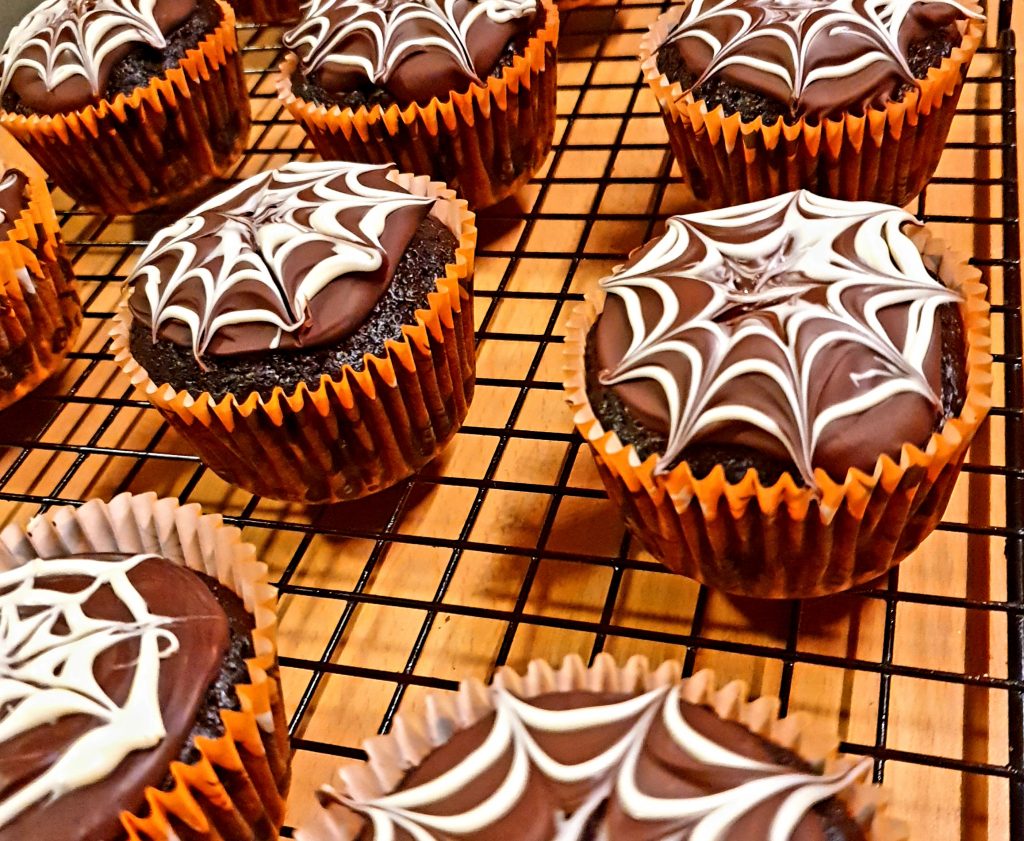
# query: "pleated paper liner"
(885, 155)
(236, 789)
(40, 314)
(354, 432)
(786, 541)
(159, 144)
(412, 738)
(266, 11)
(486, 142)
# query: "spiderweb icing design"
(523, 739)
(787, 318)
(62, 39)
(49, 645)
(793, 44)
(261, 253)
(375, 36)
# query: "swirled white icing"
(62, 39)
(797, 43)
(49, 645)
(260, 253)
(516, 743)
(785, 317)
(392, 30)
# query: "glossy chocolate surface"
(414, 49)
(585, 766)
(816, 57)
(294, 258)
(159, 597)
(60, 57)
(13, 200)
(803, 328)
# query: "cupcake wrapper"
(886, 155)
(413, 737)
(40, 314)
(356, 432)
(786, 541)
(236, 790)
(486, 143)
(161, 143)
(266, 11)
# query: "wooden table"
(506, 549)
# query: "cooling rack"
(507, 549)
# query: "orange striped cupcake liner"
(783, 540)
(355, 432)
(885, 155)
(236, 789)
(159, 144)
(40, 314)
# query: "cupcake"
(779, 395)
(850, 100)
(601, 753)
(141, 697)
(39, 310)
(461, 90)
(266, 11)
(126, 104)
(309, 331)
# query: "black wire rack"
(508, 549)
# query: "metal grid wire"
(501, 498)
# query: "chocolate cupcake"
(141, 696)
(315, 320)
(462, 90)
(852, 101)
(780, 394)
(126, 104)
(604, 753)
(40, 314)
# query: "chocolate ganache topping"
(804, 328)
(292, 258)
(817, 56)
(12, 198)
(415, 49)
(104, 663)
(60, 56)
(583, 766)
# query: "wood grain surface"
(509, 537)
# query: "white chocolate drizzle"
(801, 276)
(257, 226)
(612, 775)
(47, 674)
(61, 39)
(394, 29)
(730, 29)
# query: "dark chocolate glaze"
(13, 199)
(369, 95)
(789, 285)
(828, 57)
(663, 770)
(750, 104)
(214, 634)
(414, 50)
(294, 259)
(736, 459)
(431, 249)
(64, 53)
